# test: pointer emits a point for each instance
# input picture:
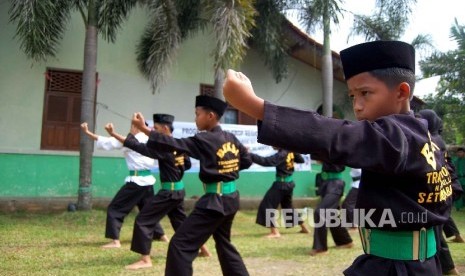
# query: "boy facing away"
(221, 157)
(405, 182)
(169, 200)
(280, 192)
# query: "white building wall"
(122, 90)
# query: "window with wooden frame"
(231, 115)
(62, 110)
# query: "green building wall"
(36, 175)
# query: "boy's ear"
(404, 91)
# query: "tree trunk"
(327, 68)
(87, 109)
(219, 80)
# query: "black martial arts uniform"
(281, 190)
(135, 192)
(168, 201)
(404, 177)
(450, 228)
(221, 156)
(331, 190)
(434, 124)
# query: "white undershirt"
(355, 173)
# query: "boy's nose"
(357, 105)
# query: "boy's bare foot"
(318, 252)
(347, 245)
(139, 264)
(163, 238)
(205, 254)
(453, 271)
(458, 239)
(273, 235)
(304, 229)
(112, 244)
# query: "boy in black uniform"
(221, 156)
(281, 190)
(170, 198)
(137, 190)
(435, 129)
(331, 190)
(405, 184)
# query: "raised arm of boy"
(89, 133)
(109, 127)
(238, 91)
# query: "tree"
(236, 25)
(172, 21)
(449, 102)
(320, 13)
(452, 111)
(40, 27)
(268, 35)
(389, 22)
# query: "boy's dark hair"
(169, 125)
(394, 76)
(460, 149)
(164, 119)
(208, 109)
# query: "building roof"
(307, 50)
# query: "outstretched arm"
(138, 121)
(86, 130)
(111, 130)
(269, 161)
(238, 92)
(106, 143)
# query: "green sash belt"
(284, 178)
(399, 245)
(222, 188)
(172, 186)
(331, 175)
(140, 173)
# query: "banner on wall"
(247, 134)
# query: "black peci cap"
(160, 118)
(374, 55)
(213, 103)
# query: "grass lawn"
(68, 244)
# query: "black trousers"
(331, 193)
(349, 204)
(450, 228)
(280, 193)
(373, 265)
(445, 258)
(128, 196)
(193, 233)
(149, 217)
